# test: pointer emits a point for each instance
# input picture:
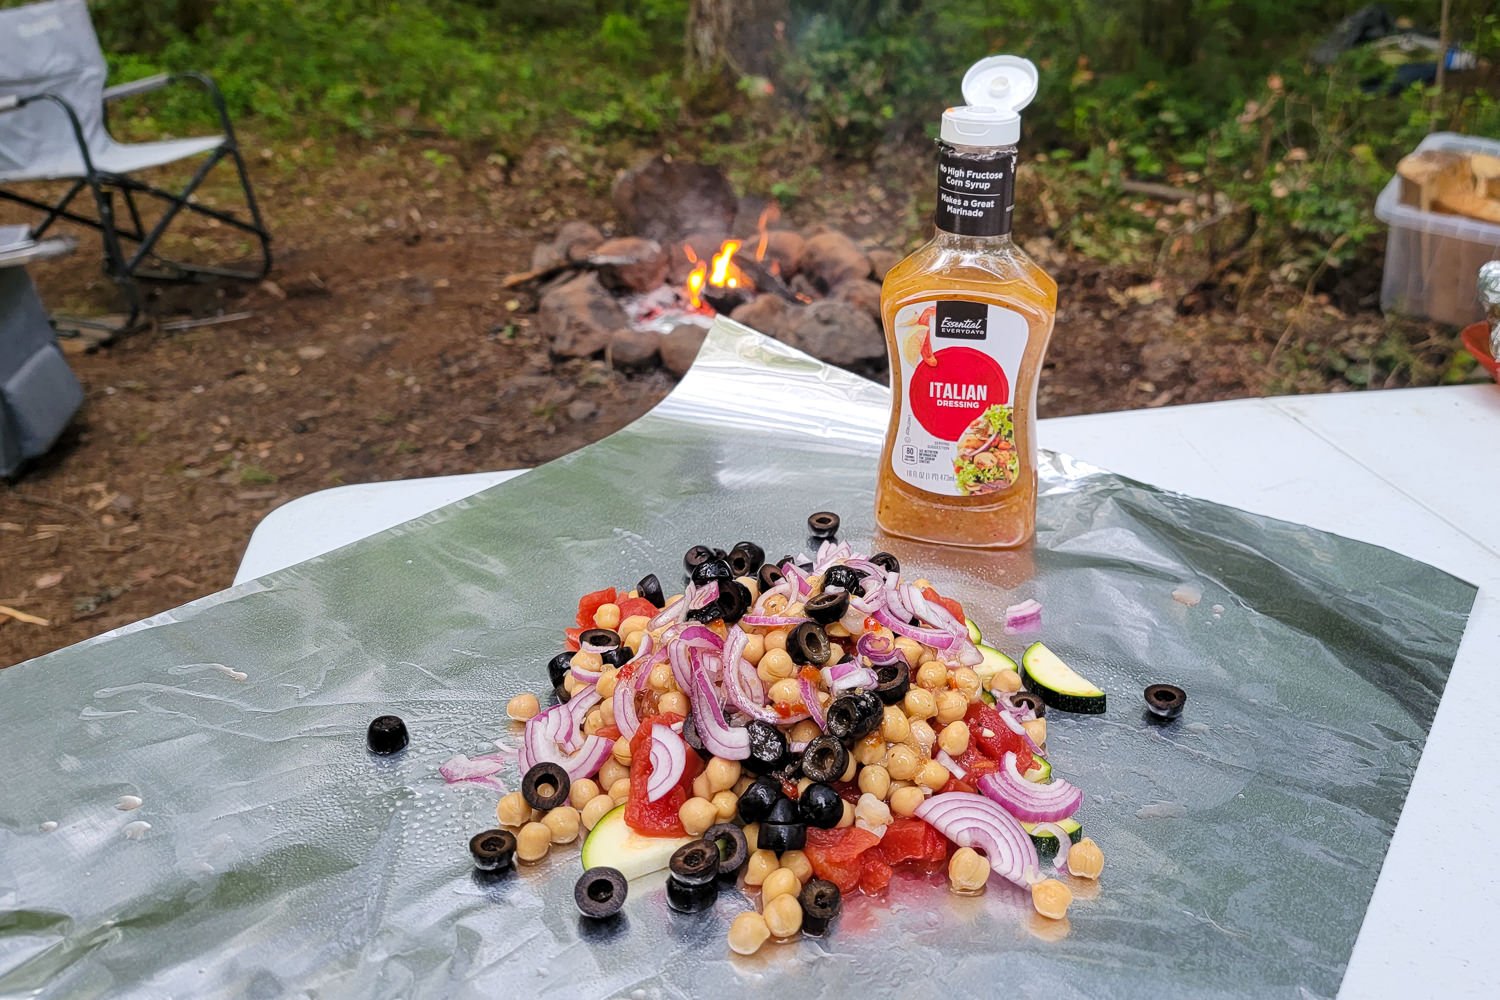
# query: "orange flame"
(763, 226)
(724, 274)
(695, 279)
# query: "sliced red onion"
(1014, 725)
(866, 604)
(673, 612)
(773, 621)
(719, 738)
(578, 707)
(538, 746)
(680, 657)
(891, 596)
(848, 675)
(934, 637)
(952, 765)
(1027, 800)
(1064, 844)
(706, 595)
(697, 636)
(783, 588)
(878, 649)
(626, 717)
(797, 579)
(668, 761)
(585, 676)
(481, 770)
(830, 553)
(971, 820)
(864, 567)
(810, 701)
(1023, 617)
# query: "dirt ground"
(383, 347)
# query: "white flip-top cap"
(996, 89)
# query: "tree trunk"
(738, 37)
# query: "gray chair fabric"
(51, 48)
(38, 391)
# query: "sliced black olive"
(843, 578)
(824, 759)
(1165, 701)
(757, 800)
(617, 657)
(714, 569)
(823, 524)
(730, 842)
(695, 863)
(874, 708)
(781, 837)
(783, 810)
(746, 558)
(650, 589)
(562, 694)
(808, 643)
(545, 786)
(695, 557)
(849, 718)
(686, 898)
(768, 577)
(887, 562)
(709, 613)
(828, 607)
(600, 892)
(387, 735)
(493, 850)
(893, 681)
(558, 667)
(691, 738)
(1025, 699)
(603, 638)
(734, 600)
(820, 805)
(820, 901)
(768, 748)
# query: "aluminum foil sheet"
(188, 808)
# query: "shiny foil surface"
(188, 808)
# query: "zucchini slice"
(994, 661)
(612, 842)
(1046, 843)
(974, 635)
(1058, 684)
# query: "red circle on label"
(948, 396)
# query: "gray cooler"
(38, 392)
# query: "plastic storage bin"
(1432, 259)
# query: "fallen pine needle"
(22, 616)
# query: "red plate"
(1476, 339)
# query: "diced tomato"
(810, 674)
(783, 709)
(975, 764)
(956, 785)
(589, 604)
(659, 818)
(908, 839)
(872, 623)
(954, 608)
(835, 854)
(848, 791)
(993, 737)
(630, 607)
(874, 873)
(610, 732)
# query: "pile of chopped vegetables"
(803, 728)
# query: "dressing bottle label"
(959, 363)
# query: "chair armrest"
(142, 86)
(12, 102)
(9, 102)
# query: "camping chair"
(53, 128)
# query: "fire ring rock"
(679, 349)
(579, 316)
(831, 258)
(630, 264)
(573, 242)
(633, 350)
(837, 333)
(767, 314)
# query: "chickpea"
(894, 725)
(761, 864)
(836, 630)
(608, 616)
(922, 736)
(798, 864)
(835, 654)
(901, 762)
(513, 810)
(933, 775)
(847, 820)
(563, 822)
(909, 648)
(634, 639)
(851, 769)
(755, 648)
(722, 773)
(904, 801)
(875, 780)
(620, 790)
(606, 684)
(611, 772)
(872, 812)
(697, 815)
(584, 660)
(725, 804)
(673, 701)
(595, 809)
(781, 882)
(593, 722)
(635, 623)
(920, 704)
(745, 782)
(927, 655)
(751, 584)
(607, 712)
(954, 739)
(776, 638)
(1037, 730)
(802, 784)
(783, 916)
(1085, 859)
(533, 841)
(748, 932)
(752, 837)
(804, 731)
(661, 679)
(966, 680)
(1051, 898)
(786, 692)
(932, 676)
(968, 871)
(951, 706)
(621, 751)
(777, 664)
(870, 750)
(795, 610)
(581, 791)
(701, 788)
(1005, 682)
(522, 707)
(570, 685)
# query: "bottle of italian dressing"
(967, 319)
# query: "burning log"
(764, 279)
